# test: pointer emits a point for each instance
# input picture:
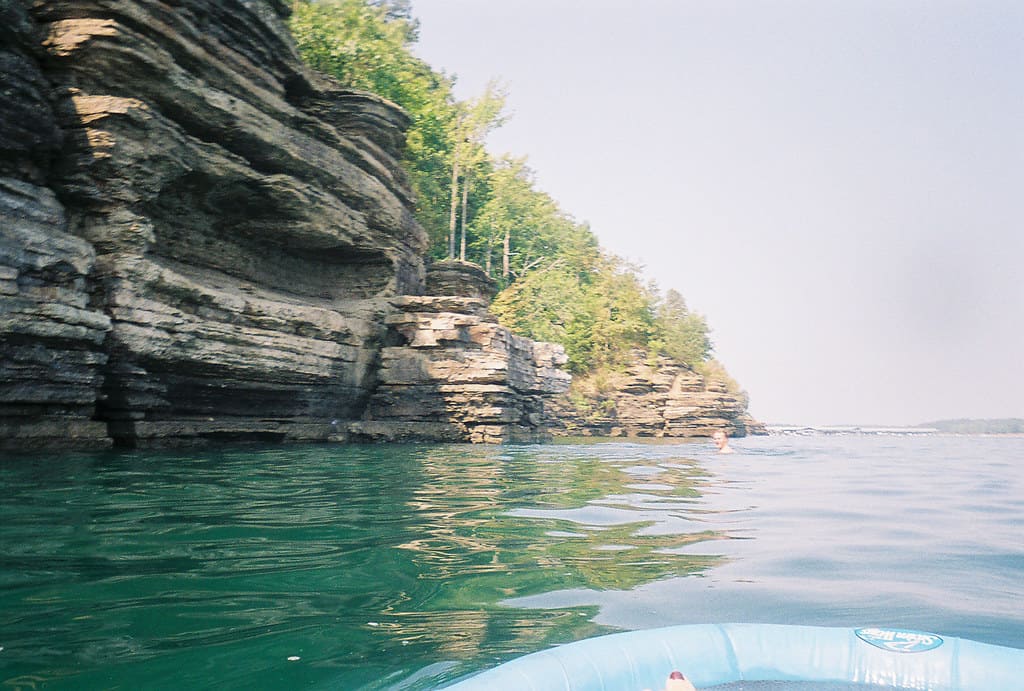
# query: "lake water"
(405, 567)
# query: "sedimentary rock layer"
(239, 232)
(653, 397)
(51, 330)
(455, 277)
(452, 368)
(51, 337)
(202, 239)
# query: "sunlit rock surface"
(455, 277)
(205, 241)
(652, 397)
(452, 368)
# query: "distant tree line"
(557, 282)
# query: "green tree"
(513, 205)
(591, 303)
(679, 333)
(475, 119)
(558, 284)
(367, 46)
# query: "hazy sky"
(838, 186)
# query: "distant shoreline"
(806, 430)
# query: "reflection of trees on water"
(371, 560)
(496, 524)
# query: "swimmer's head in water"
(721, 441)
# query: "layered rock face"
(653, 397)
(454, 373)
(455, 277)
(51, 330)
(202, 239)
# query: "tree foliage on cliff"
(558, 284)
(366, 45)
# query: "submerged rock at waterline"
(202, 240)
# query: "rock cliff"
(204, 241)
(652, 397)
(51, 329)
(454, 373)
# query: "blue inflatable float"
(712, 654)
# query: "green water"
(366, 563)
(406, 567)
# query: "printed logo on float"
(900, 640)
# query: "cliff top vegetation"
(558, 284)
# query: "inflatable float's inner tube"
(796, 686)
(715, 654)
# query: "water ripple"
(404, 566)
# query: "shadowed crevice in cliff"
(243, 230)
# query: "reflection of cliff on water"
(497, 524)
(361, 560)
